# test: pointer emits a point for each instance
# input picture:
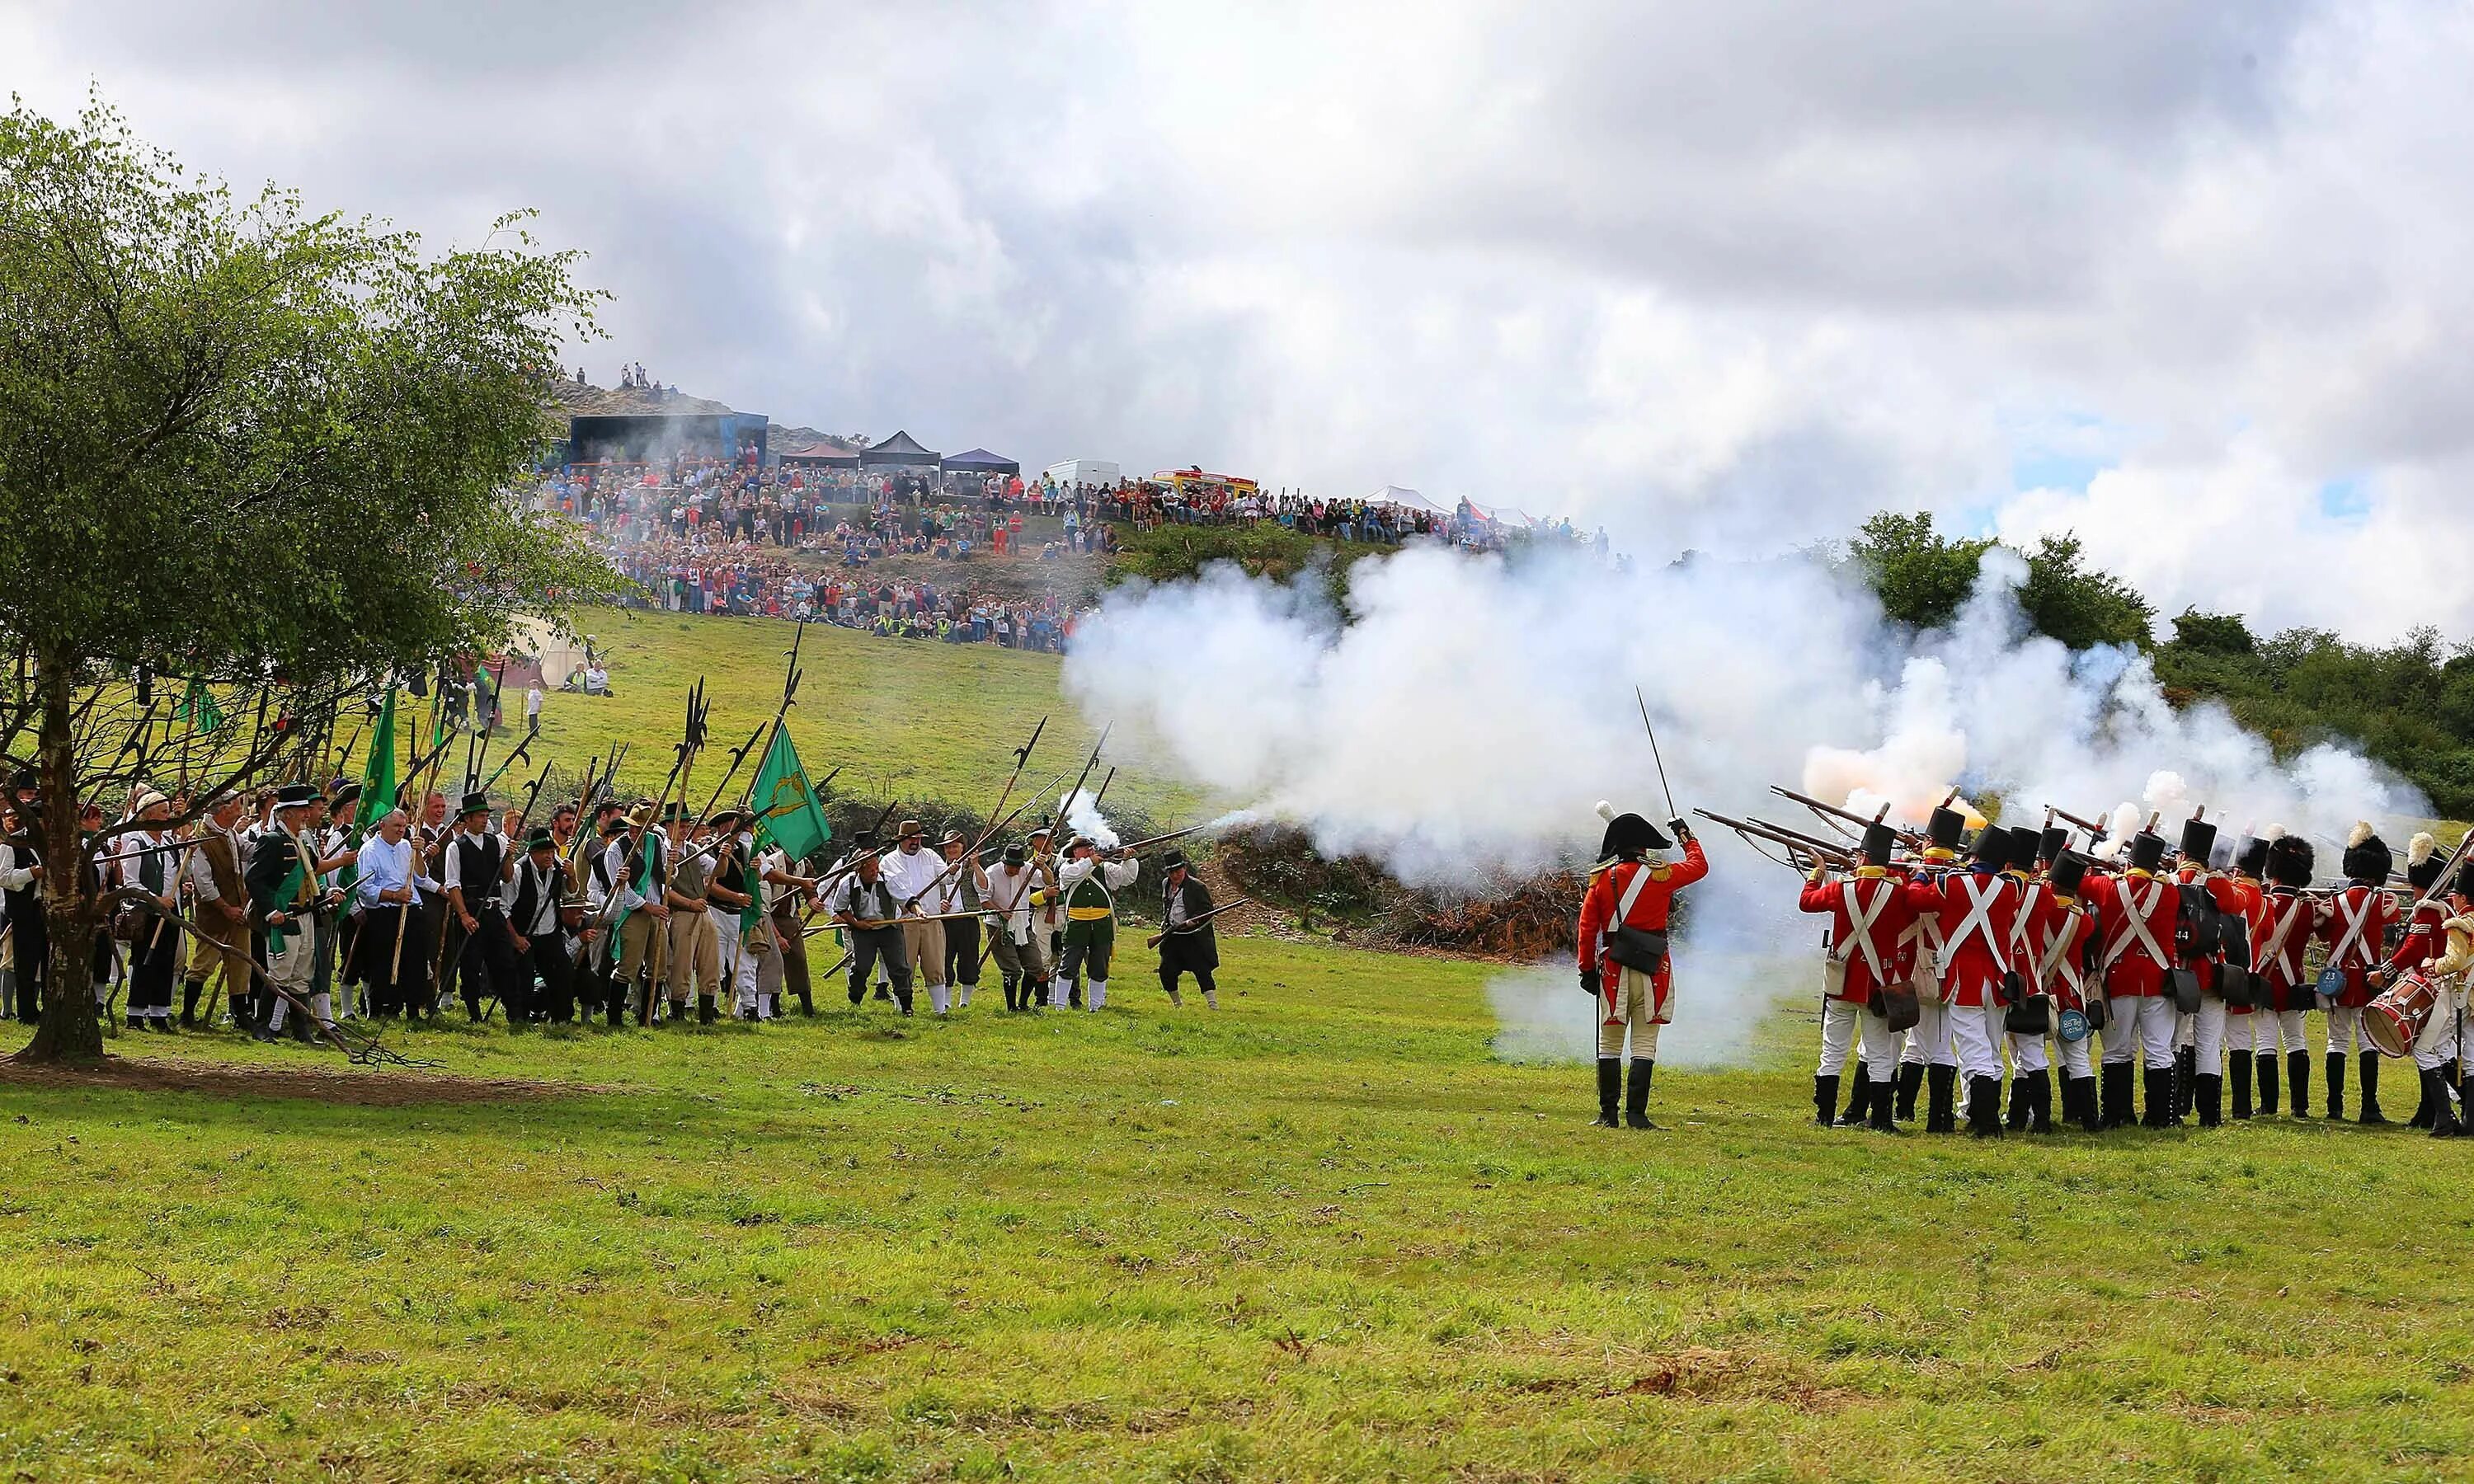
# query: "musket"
(1908, 838)
(1752, 831)
(1808, 842)
(1021, 759)
(1191, 923)
(1162, 839)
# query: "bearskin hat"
(2368, 857)
(2251, 860)
(2198, 841)
(2292, 862)
(2070, 869)
(1879, 841)
(2464, 886)
(2146, 850)
(2423, 862)
(1627, 834)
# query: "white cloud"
(1713, 274)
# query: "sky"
(2185, 278)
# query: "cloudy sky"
(2188, 278)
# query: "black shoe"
(2040, 1102)
(2336, 1084)
(1911, 1077)
(807, 1004)
(2239, 1065)
(1825, 1097)
(1610, 1092)
(2371, 1089)
(1637, 1094)
(2208, 1092)
(1984, 1107)
(2297, 1081)
(2158, 1087)
(1941, 1110)
(706, 1012)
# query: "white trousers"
(2027, 1053)
(2077, 1057)
(2142, 1023)
(2248, 1033)
(2277, 1030)
(2208, 1034)
(2436, 1047)
(1842, 1022)
(2344, 1029)
(1974, 1028)
(1929, 1038)
(2186, 1027)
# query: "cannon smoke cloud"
(1457, 716)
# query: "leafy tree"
(248, 446)
(1921, 575)
(2213, 634)
(2077, 605)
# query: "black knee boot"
(1636, 1095)
(2267, 1082)
(1878, 1101)
(1984, 1107)
(2117, 1094)
(2371, 1088)
(2082, 1091)
(2336, 1084)
(2207, 1094)
(1859, 1097)
(807, 1003)
(706, 1011)
(2297, 1080)
(1825, 1097)
(1941, 1109)
(190, 990)
(2422, 1118)
(1912, 1076)
(2444, 1122)
(1610, 1091)
(2040, 1102)
(2186, 1075)
(2238, 1066)
(2157, 1088)
(2017, 1121)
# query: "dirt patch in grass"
(367, 1087)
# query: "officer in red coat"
(2136, 914)
(1975, 914)
(2353, 926)
(1869, 912)
(1624, 964)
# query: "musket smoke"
(1460, 715)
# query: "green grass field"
(1319, 1234)
(905, 719)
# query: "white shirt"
(550, 885)
(852, 898)
(454, 874)
(908, 873)
(1008, 898)
(201, 876)
(622, 870)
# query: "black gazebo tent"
(900, 450)
(978, 461)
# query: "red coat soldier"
(2288, 922)
(2353, 926)
(2135, 914)
(1624, 963)
(1870, 913)
(1975, 914)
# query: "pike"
(1021, 761)
(523, 750)
(1088, 766)
(1191, 923)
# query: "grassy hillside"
(1319, 1234)
(907, 719)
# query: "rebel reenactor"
(430, 839)
(2250, 1026)
(1019, 893)
(695, 953)
(1929, 1055)
(2354, 926)
(2137, 913)
(21, 880)
(910, 871)
(213, 868)
(143, 863)
(534, 892)
(596, 981)
(477, 871)
(866, 907)
(2424, 937)
(1089, 882)
(563, 824)
(1188, 944)
(782, 965)
(1049, 918)
(965, 891)
(639, 869)
(286, 903)
(1625, 966)
(729, 892)
(1869, 913)
(394, 931)
(1976, 914)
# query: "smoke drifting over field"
(1461, 716)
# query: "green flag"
(198, 708)
(787, 811)
(378, 789)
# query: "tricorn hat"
(2292, 862)
(2070, 869)
(476, 802)
(1879, 841)
(2146, 850)
(2423, 862)
(2368, 857)
(1627, 834)
(1943, 829)
(2198, 841)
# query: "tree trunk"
(70, 1034)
